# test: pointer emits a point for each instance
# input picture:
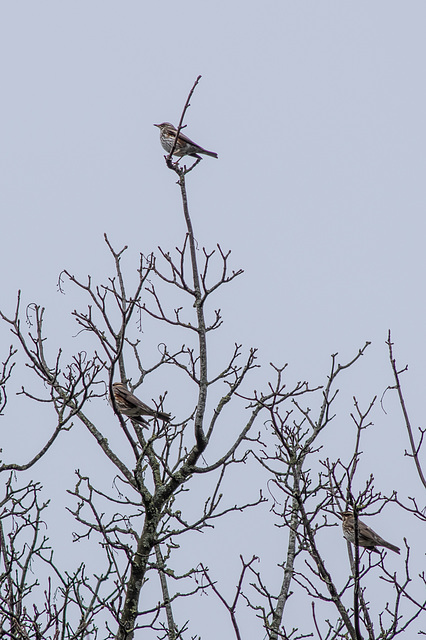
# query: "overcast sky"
(317, 112)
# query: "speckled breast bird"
(184, 146)
(129, 405)
(366, 537)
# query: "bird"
(129, 405)
(366, 537)
(184, 146)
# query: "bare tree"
(165, 459)
(310, 492)
(155, 463)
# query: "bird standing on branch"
(366, 537)
(129, 405)
(184, 146)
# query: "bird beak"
(156, 125)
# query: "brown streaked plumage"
(184, 145)
(366, 537)
(130, 406)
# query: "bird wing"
(368, 534)
(135, 402)
(188, 140)
(367, 537)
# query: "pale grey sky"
(317, 112)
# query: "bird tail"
(163, 416)
(392, 547)
(210, 153)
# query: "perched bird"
(366, 537)
(131, 406)
(184, 146)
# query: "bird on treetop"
(184, 146)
